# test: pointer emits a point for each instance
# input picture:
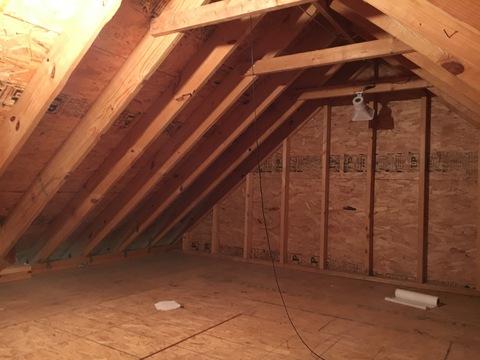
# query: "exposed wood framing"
(326, 13)
(248, 228)
(215, 227)
(464, 10)
(325, 186)
(438, 27)
(196, 74)
(265, 94)
(348, 90)
(216, 13)
(462, 88)
(52, 75)
(269, 94)
(478, 222)
(423, 189)
(285, 196)
(281, 122)
(335, 55)
(139, 66)
(273, 121)
(370, 194)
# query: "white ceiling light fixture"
(361, 111)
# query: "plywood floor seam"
(231, 311)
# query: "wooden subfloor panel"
(230, 311)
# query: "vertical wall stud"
(248, 231)
(423, 189)
(284, 206)
(215, 226)
(325, 186)
(371, 164)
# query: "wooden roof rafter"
(139, 66)
(463, 88)
(271, 46)
(232, 155)
(289, 116)
(195, 75)
(52, 75)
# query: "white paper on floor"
(167, 305)
(414, 299)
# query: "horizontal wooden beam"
(438, 27)
(340, 54)
(459, 91)
(350, 90)
(216, 13)
(51, 76)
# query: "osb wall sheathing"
(231, 218)
(452, 193)
(453, 212)
(200, 236)
(271, 170)
(347, 199)
(305, 193)
(396, 192)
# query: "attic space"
(239, 179)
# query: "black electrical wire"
(272, 259)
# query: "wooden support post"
(215, 241)
(423, 189)
(248, 233)
(327, 123)
(478, 225)
(371, 165)
(284, 201)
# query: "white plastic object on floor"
(414, 299)
(167, 305)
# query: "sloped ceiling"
(145, 177)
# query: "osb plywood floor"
(231, 311)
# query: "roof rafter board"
(339, 54)
(206, 155)
(211, 56)
(437, 26)
(428, 70)
(280, 112)
(138, 67)
(51, 76)
(427, 56)
(297, 114)
(268, 91)
(271, 45)
(215, 13)
(348, 90)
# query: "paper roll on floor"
(414, 299)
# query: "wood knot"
(453, 67)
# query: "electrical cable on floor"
(272, 259)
